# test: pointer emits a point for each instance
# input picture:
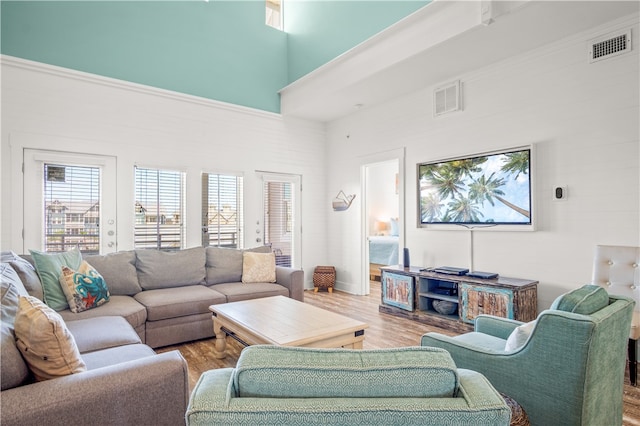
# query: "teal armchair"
(570, 368)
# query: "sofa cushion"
(224, 265)
(292, 372)
(14, 369)
(237, 291)
(178, 302)
(26, 271)
(93, 334)
(116, 355)
(158, 269)
(44, 341)
(584, 300)
(258, 267)
(49, 267)
(118, 270)
(122, 306)
(84, 288)
(482, 340)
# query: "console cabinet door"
(478, 300)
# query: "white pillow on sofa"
(519, 336)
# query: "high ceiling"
(438, 43)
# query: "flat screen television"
(479, 190)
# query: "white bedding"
(383, 250)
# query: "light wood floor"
(384, 331)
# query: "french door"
(281, 201)
(69, 201)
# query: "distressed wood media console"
(411, 293)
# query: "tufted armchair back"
(617, 269)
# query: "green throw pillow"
(584, 300)
(49, 267)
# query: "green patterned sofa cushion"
(584, 300)
(285, 372)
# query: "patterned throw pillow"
(84, 288)
(45, 341)
(258, 267)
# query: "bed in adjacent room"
(383, 251)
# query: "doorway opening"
(383, 214)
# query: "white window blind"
(71, 208)
(222, 210)
(159, 209)
(278, 219)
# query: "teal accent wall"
(321, 30)
(218, 49)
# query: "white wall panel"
(584, 121)
(46, 107)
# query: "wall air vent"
(609, 46)
(446, 99)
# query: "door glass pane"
(279, 220)
(159, 209)
(222, 210)
(71, 208)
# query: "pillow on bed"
(394, 231)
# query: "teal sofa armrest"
(151, 390)
(292, 279)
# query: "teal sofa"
(274, 385)
(569, 370)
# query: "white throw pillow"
(519, 336)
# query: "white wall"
(583, 120)
(382, 196)
(52, 108)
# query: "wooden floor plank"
(385, 331)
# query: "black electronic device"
(445, 291)
(484, 275)
(450, 270)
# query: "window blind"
(71, 208)
(222, 210)
(278, 219)
(159, 209)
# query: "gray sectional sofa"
(165, 296)
(157, 299)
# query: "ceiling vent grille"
(609, 46)
(446, 99)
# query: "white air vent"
(446, 99)
(609, 46)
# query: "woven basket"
(324, 276)
(445, 307)
(518, 416)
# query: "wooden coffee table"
(283, 321)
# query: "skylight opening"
(274, 14)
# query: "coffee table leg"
(220, 350)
